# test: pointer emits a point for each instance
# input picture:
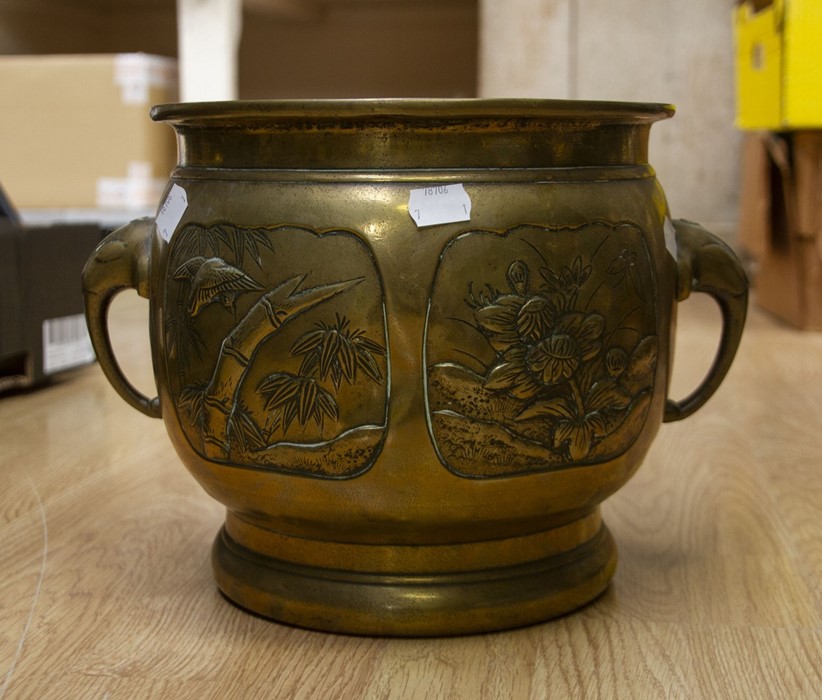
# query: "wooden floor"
(106, 589)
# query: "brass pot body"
(413, 428)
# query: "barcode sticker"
(171, 211)
(66, 343)
(439, 204)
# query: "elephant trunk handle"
(705, 264)
(120, 262)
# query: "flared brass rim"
(407, 134)
(411, 109)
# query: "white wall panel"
(661, 51)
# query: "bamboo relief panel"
(276, 347)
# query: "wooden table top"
(106, 588)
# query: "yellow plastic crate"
(779, 64)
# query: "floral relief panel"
(541, 347)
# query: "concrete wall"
(660, 51)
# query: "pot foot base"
(407, 604)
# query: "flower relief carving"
(563, 360)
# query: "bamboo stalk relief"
(320, 388)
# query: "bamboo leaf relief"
(279, 389)
(299, 398)
(348, 362)
(252, 394)
(337, 351)
(244, 430)
(365, 361)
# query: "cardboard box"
(77, 133)
(781, 223)
(42, 325)
(778, 64)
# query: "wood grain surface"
(106, 589)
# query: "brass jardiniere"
(412, 426)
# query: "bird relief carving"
(213, 279)
(276, 346)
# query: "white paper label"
(439, 204)
(670, 237)
(171, 211)
(66, 343)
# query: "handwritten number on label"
(439, 204)
(171, 211)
